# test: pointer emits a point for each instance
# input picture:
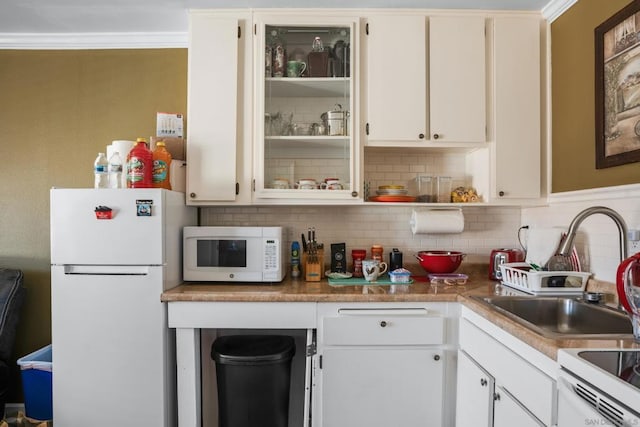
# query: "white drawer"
(383, 327)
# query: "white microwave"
(233, 254)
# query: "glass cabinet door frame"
(317, 146)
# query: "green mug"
(296, 68)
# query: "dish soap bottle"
(295, 259)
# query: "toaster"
(502, 256)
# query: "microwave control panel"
(271, 258)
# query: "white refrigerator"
(113, 353)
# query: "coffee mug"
(307, 184)
(295, 68)
(331, 184)
(280, 184)
(372, 269)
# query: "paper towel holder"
(446, 220)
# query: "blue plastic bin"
(35, 370)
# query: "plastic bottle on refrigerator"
(140, 166)
(100, 172)
(161, 166)
(115, 170)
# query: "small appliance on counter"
(233, 254)
(502, 256)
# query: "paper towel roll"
(122, 147)
(437, 221)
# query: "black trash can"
(253, 374)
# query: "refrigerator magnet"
(143, 207)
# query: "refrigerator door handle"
(108, 270)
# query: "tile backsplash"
(360, 227)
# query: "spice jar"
(376, 252)
(358, 255)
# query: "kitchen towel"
(542, 244)
(437, 221)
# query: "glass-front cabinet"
(306, 108)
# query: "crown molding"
(132, 40)
(555, 8)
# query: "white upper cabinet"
(306, 108)
(457, 77)
(517, 155)
(426, 80)
(219, 125)
(397, 79)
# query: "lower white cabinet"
(482, 402)
(497, 385)
(474, 400)
(381, 365)
(508, 411)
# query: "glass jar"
(357, 256)
(376, 252)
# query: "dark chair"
(11, 297)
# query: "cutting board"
(383, 280)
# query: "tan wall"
(573, 92)
(58, 109)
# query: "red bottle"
(140, 166)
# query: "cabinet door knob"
(501, 193)
(383, 324)
(436, 136)
(354, 194)
(421, 136)
(496, 396)
(483, 382)
(436, 357)
(192, 195)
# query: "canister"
(337, 121)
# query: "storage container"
(36, 370)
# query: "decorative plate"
(331, 275)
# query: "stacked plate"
(392, 193)
(392, 190)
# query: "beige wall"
(58, 109)
(573, 104)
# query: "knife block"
(313, 271)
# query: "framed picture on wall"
(617, 73)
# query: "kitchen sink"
(562, 317)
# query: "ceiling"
(170, 16)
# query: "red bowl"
(440, 261)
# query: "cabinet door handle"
(192, 195)
(421, 136)
(501, 193)
(436, 357)
(483, 382)
(436, 136)
(383, 324)
(496, 396)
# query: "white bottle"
(100, 170)
(115, 170)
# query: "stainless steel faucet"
(567, 243)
